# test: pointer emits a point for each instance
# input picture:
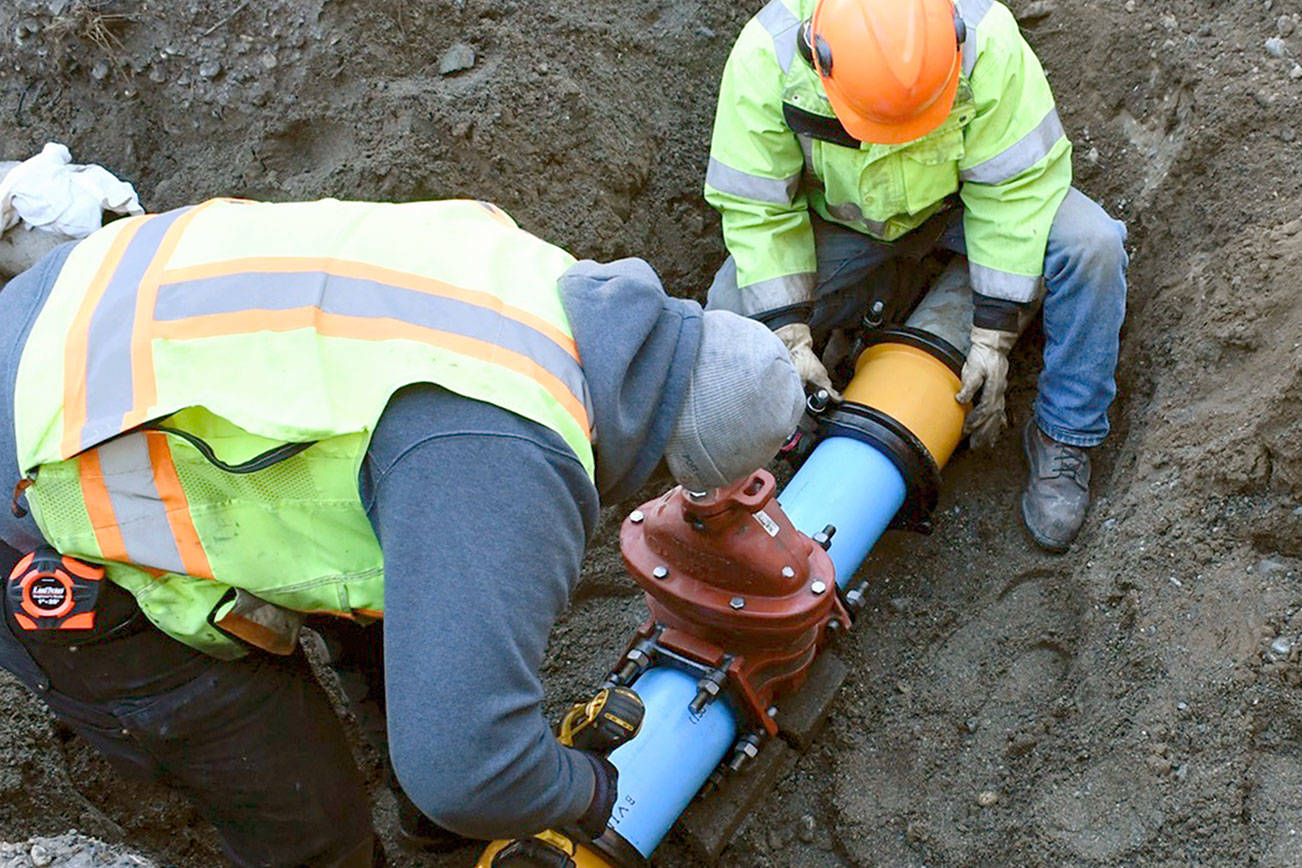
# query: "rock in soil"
(1082, 657)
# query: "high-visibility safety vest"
(197, 393)
(778, 151)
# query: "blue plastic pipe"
(844, 483)
(671, 758)
(848, 484)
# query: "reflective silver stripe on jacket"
(1019, 156)
(368, 299)
(783, 26)
(137, 506)
(109, 391)
(807, 147)
(973, 12)
(777, 292)
(1001, 284)
(744, 185)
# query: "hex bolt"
(818, 586)
(661, 572)
(788, 573)
(706, 690)
(636, 516)
(744, 751)
(737, 602)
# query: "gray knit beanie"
(743, 401)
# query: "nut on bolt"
(707, 689)
(636, 516)
(661, 572)
(737, 602)
(745, 751)
(818, 586)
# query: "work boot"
(1057, 489)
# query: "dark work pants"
(252, 743)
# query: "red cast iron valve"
(730, 579)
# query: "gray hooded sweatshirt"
(482, 518)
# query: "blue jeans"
(1084, 303)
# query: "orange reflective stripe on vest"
(131, 492)
(104, 369)
(110, 385)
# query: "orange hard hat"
(890, 67)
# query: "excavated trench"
(1132, 703)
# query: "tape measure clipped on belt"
(48, 591)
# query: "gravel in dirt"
(1134, 702)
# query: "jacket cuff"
(996, 313)
(605, 789)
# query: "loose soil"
(1135, 702)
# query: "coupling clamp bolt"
(737, 602)
(636, 516)
(661, 572)
(788, 573)
(818, 587)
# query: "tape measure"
(50, 591)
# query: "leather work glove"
(800, 344)
(986, 369)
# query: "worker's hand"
(800, 344)
(604, 722)
(605, 791)
(986, 369)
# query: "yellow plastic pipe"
(914, 388)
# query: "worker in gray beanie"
(743, 401)
(485, 395)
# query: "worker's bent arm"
(482, 517)
(753, 180)
(1016, 169)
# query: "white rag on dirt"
(48, 192)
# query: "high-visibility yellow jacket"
(197, 393)
(778, 151)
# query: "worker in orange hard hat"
(856, 134)
(882, 89)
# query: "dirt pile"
(1133, 703)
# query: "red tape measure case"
(49, 592)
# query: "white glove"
(51, 192)
(986, 369)
(800, 344)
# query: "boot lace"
(1067, 461)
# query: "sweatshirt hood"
(638, 346)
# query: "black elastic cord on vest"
(253, 465)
